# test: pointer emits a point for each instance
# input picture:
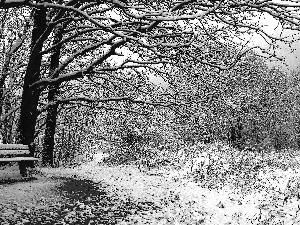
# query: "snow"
(182, 200)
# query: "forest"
(78, 76)
(151, 83)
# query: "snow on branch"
(84, 99)
(79, 73)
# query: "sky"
(291, 57)
(289, 53)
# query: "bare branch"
(9, 113)
(84, 99)
(80, 73)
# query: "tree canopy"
(102, 54)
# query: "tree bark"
(49, 141)
(30, 97)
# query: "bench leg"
(22, 168)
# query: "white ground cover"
(182, 200)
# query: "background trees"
(14, 41)
(92, 53)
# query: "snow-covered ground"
(181, 200)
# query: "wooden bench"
(18, 153)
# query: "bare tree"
(134, 32)
(14, 32)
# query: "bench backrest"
(14, 149)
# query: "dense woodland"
(140, 79)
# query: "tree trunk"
(235, 137)
(48, 148)
(49, 142)
(30, 97)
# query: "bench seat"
(23, 154)
(18, 159)
(14, 152)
